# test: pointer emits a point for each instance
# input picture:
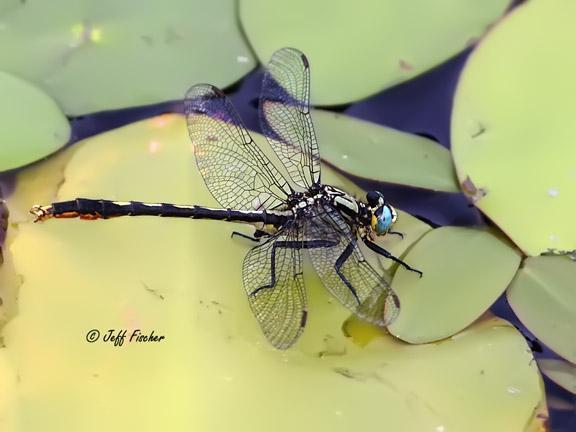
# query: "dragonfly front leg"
(381, 251)
(398, 233)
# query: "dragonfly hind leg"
(381, 251)
(258, 235)
(289, 244)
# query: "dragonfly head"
(383, 214)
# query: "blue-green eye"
(382, 220)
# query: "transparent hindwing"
(275, 286)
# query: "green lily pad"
(544, 298)
(513, 130)
(465, 270)
(182, 279)
(32, 124)
(561, 372)
(106, 55)
(379, 153)
(356, 49)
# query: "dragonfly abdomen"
(85, 208)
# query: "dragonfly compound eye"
(375, 199)
(382, 219)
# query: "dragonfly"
(291, 209)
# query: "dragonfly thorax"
(372, 218)
(301, 203)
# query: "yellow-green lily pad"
(8, 389)
(94, 56)
(561, 372)
(375, 152)
(544, 298)
(38, 183)
(465, 270)
(182, 279)
(513, 130)
(32, 124)
(357, 49)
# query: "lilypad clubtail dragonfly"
(292, 212)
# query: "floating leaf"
(544, 298)
(8, 391)
(358, 49)
(465, 270)
(32, 124)
(182, 279)
(109, 54)
(513, 130)
(383, 154)
(561, 372)
(38, 183)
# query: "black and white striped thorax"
(302, 203)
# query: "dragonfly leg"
(310, 244)
(398, 233)
(258, 234)
(340, 262)
(381, 251)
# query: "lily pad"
(561, 372)
(465, 270)
(513, 130)
(32, 124)
(106, 55)
(182, 279)
(383, 154)
(8, 389)
(38, 183)
(358, 49)
(544, 298)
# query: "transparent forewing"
(285, 115)
(275, 286)
(345, 272)
(234, 168)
